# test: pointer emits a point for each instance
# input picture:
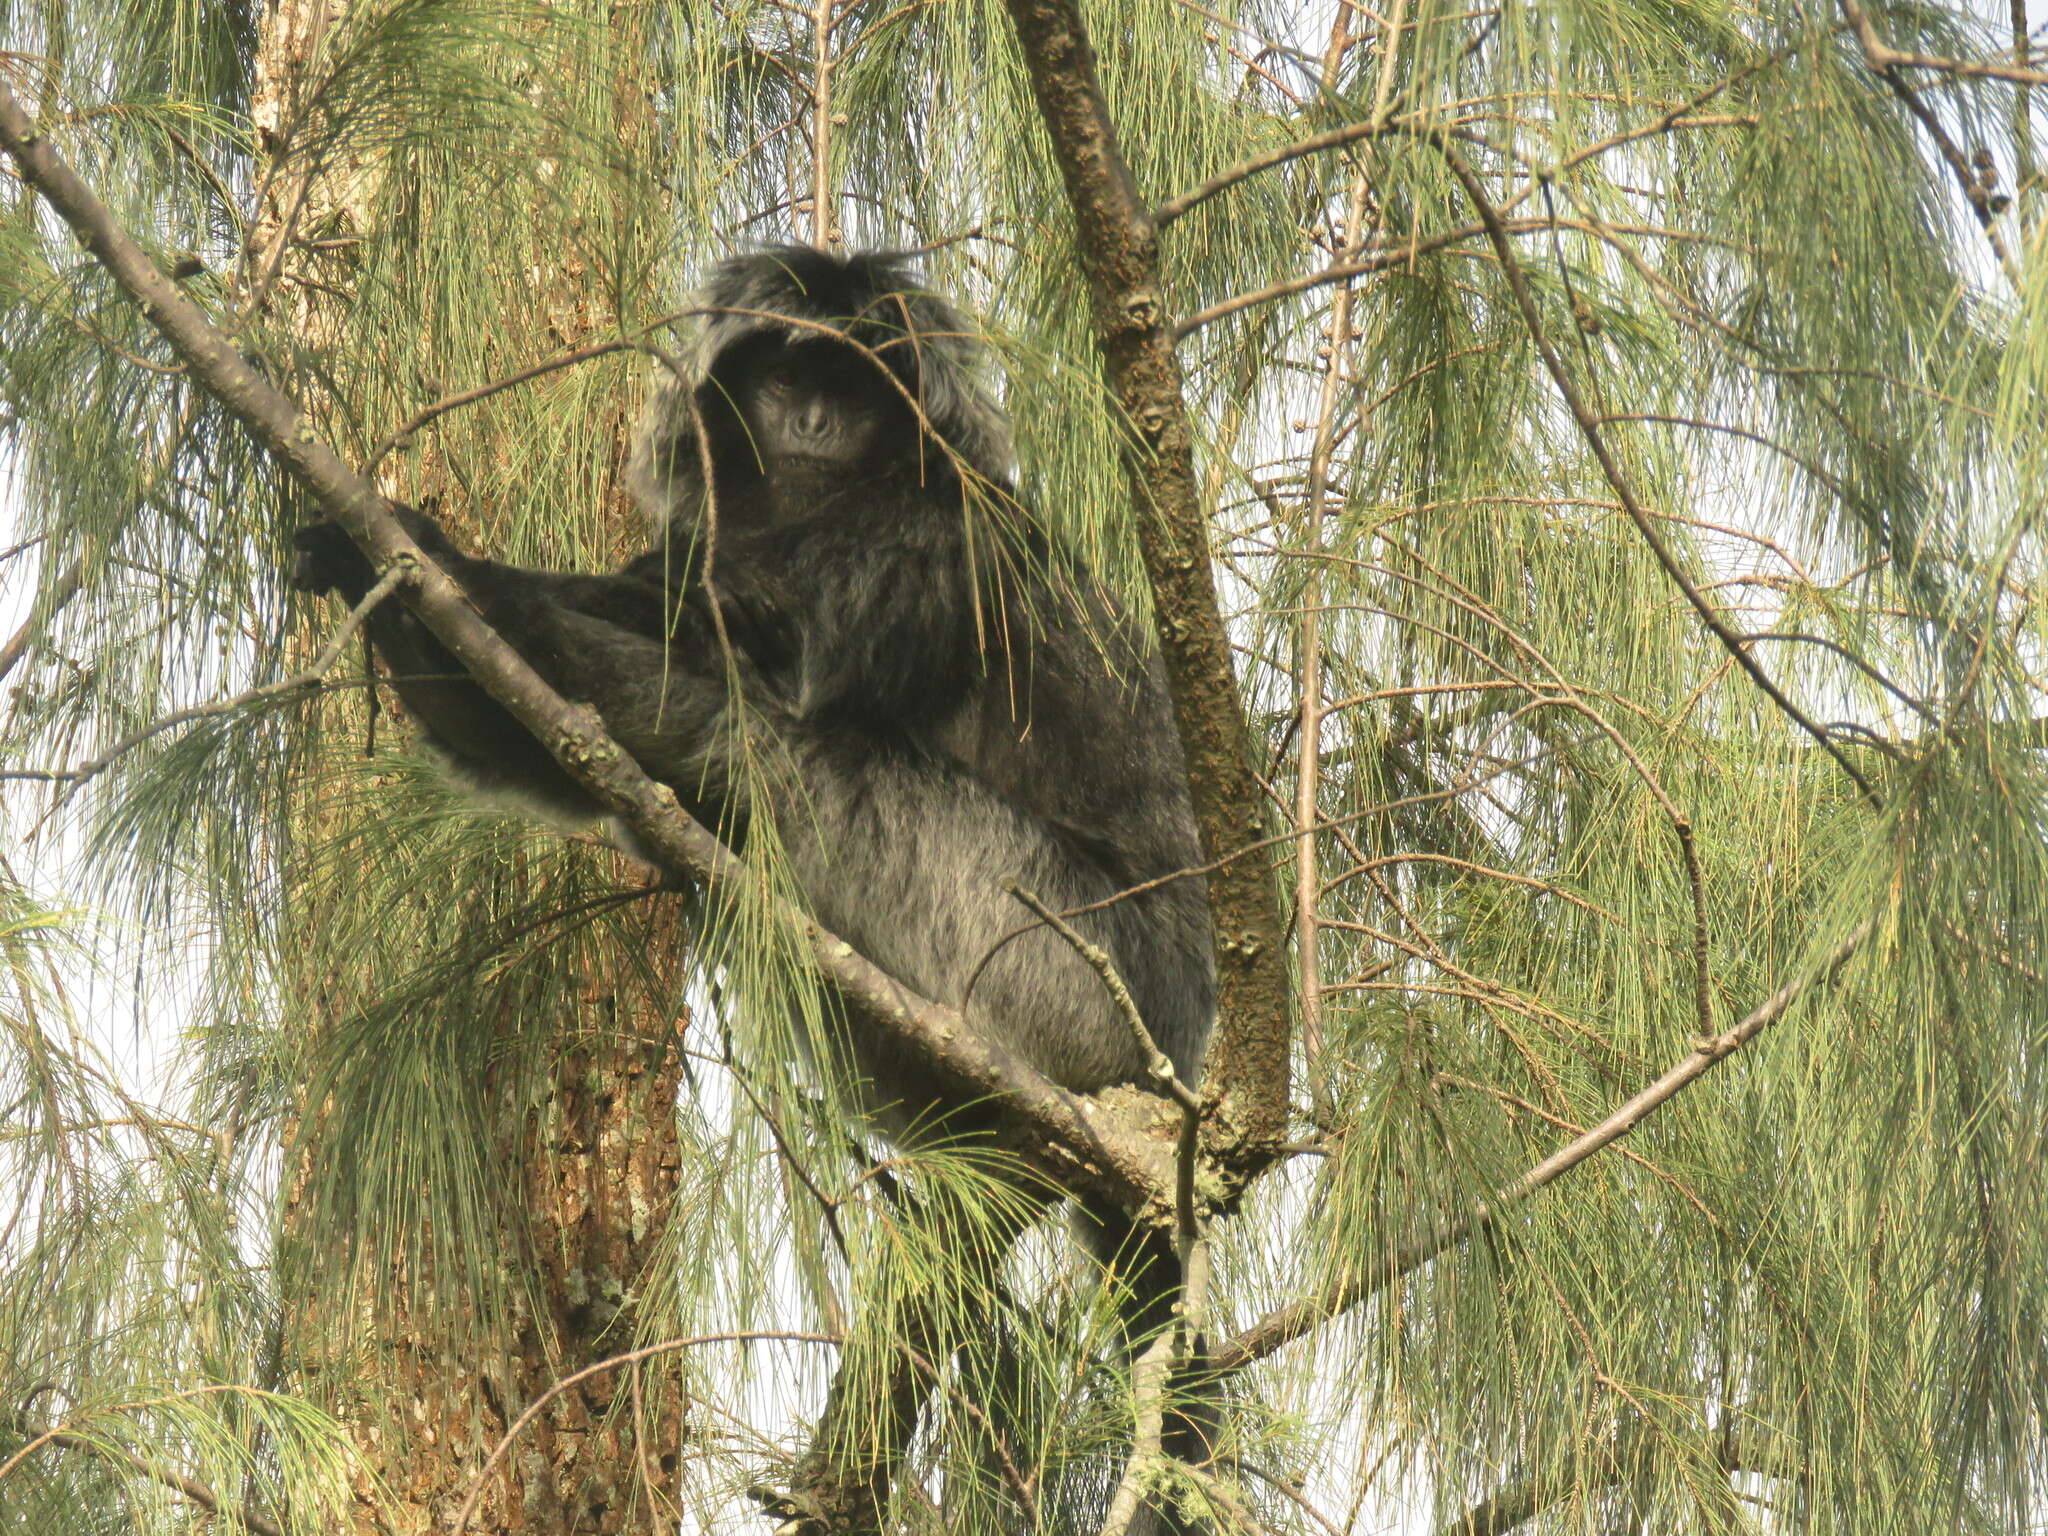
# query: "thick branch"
(1077, 1143)
(1292, 1322)
(1118, 246)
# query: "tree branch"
(298, 682)
(447, 403)
(1077, 1143)
(1291, 1322)
(190, 1489)
(1589, 423)
(1881, 57)
(1244, 170)
(460, 1523)
(1984, 203)
(1118, 247)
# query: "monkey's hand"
(758, 626)
(325, 559)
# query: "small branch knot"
(1143, 308)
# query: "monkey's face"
(809, 407)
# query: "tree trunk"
(428, 1394)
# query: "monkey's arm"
(591, 637)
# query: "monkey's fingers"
(325, 559)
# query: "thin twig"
(72, 581)
(1836, 647)
(70, 1439)
(298, 682)
(1291, 1322)
(1383, 259)
(1451, 791)
(456, 401)
(1885, 65)
(1380, 261)
(1309, 717)
(1335, 138)
(824, 222)
(1157, 1063)
(1151, 1375)
(1684, 115)
(576, 1378)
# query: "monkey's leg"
(841, 1484)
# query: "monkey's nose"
(813, 421)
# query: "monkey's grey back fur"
(873, 299)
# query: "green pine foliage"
(1561, 832)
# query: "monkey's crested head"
(874, 300)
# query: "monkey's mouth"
(800, 463)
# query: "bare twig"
(1380, 261)
(2022, 107)
(68, 585)
(1155, 1370)
(1682, 116)
(824, 219)
(1837, 648)
(1157, 1063)
(1395, 253)
(1309, 717)
(69, 1439)
(1451, 791)
(1151, 1377)
(1885, 64)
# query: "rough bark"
(596, 1150)
(1246, 1075)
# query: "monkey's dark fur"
(936, 698)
